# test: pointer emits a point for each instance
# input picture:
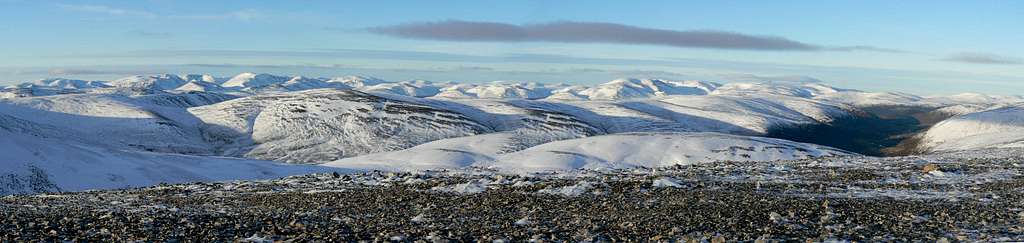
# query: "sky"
(921, 47)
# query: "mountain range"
(65, 134)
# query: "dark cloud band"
(590, 32)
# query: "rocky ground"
(952, 197)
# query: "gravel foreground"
(950, 198)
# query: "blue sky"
(925, 47)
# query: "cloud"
(866, 48)
(242, 15)
(981, 58)
(107, 10)
(465, 59)
(595, 32)
(473, 68)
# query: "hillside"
(999, 127)
(38, 158)
(614, 151)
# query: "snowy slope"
(748, 114)
(999, 127)
(796, 89)
(149, 83)
(305, 83)
(357, 81)
(150, 123)
(324, 124)
(200, 86)
(960, 109)
(866, 99)
(63, 83)
(252, 80)
(456, 91)
(457, 152)
(655, 150)
(604, 151)
(201, 78)
(645, 88)
(53, 86)
(32, 91)
(297, 83)
(569, 93)
(509, 90)
(974, 99)
(32, 160)
(416, 88)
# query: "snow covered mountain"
(975, 99)
(149, 84)
(324, 124)
(613, 151)
(619, 89)
(53, 86)
(200, 86)
(147, 122)
(415, 88)
(999, 127)
(357, 81)
(629, 150)
(252, 80)
(63, 83)
(39, 158)
(368, 123)
(202, 78)
(645, 88)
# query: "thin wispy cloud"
(387, 55)
(594, 32)
(241, 15)
(866, 48)
(100, 9)
(473, 68)
(982, 58)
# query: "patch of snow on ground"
(666, 182)
(575, 190)
(471, 187)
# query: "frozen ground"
(964, 196)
